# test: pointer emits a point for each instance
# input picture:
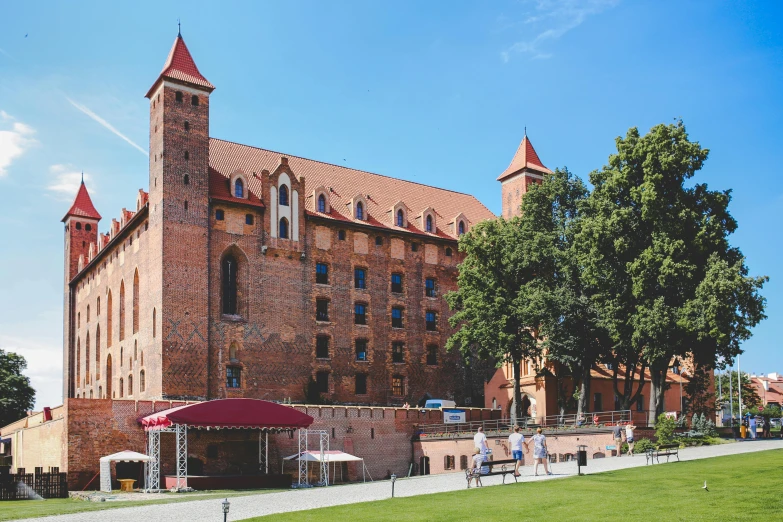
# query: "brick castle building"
(244, 272)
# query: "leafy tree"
(498, 306)
(730, 392)
(668, 282)
(16, 394)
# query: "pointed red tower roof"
(82, 205)
(525, 158)
(180, 67)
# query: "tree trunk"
(584, 392)
(657, 389)
(517, 410)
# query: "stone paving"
(296, 500)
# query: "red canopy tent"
(217, 414)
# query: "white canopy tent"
(122, 456)
(332, 457)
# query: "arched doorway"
(108, 377)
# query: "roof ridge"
(356, 170)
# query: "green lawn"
(741, 487)
(16, 509)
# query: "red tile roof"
(220, 188)
(525, 158)
(342, 183)
(82, 205)
(180, 66)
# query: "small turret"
(525, 168)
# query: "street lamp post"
(676, 368)
(393, 480)
(226, 504)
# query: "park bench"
(496, 467)
(664, 450)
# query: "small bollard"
(581, 458)
(393, 479)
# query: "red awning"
(230, 413)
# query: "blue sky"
(435, 92)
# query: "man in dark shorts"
(617, 431)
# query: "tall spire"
(82, 205)
(181, 68)
(525, 158)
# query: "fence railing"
(29, 486)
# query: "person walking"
(617, 431)
(540, 452)
(766, 428)
(752, 427)
(480, 440)
(629, 437)
(515, 442)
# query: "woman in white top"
(540, 451)
(629, 437)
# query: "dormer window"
(283, 197)
(400, 218)
(359, 211)
(321, 203)
(239, 189)
(461, 228)
(428, 226)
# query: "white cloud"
(86, 110)
(65, 181)
(15, 139)
(551, 19)
(44, 358)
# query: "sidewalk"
(297, 500)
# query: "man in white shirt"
(480, 441)
(515, 441)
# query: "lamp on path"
(226, 504)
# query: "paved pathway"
(296, 500)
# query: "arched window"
(100, 392)
(135, 350)
(98, 307)
(230, 285)
(88, 313)
(121, 388)
(400, 218)
(98, 352)
(154, 323)
(429, 223)
(239, 188)
(321, 203)
(142, 383)
(448, 252)
(359, 210)
(130, 385)
(232, 352)
(78, 361)
(282, 197)
(90, 394)
(283, 228)
(122, 310)
(461, 228)
(109, 376)
(87, 358)
(121, 350)
(136, 301)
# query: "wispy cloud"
(15, 139)
(549, 20)
(106, 124)
(65, 181)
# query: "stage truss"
(323, 445)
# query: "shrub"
(664, 429)
(701, 424)
(643, 445)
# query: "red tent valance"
(230, 413)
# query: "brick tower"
(525, 168)
(81, 230)
(179, 219)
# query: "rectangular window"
(359, 313)
(432, 321)
(359, 278)
(361, 349)
(429, 287)
(398, 352)
(322, 347)
(248, 219)
(322, 273)
(321, 309)
(219, 215)
(398, 385)
(397, 317)
(233, 377)
(432, 355)
(322, 382)
(361, 384)
(640, 403)
(396, 283)
(598, 404)
(341, 235)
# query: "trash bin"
(581, 458)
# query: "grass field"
(16, 509)
(741, 487)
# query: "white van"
(439, 403)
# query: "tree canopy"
(16, 394)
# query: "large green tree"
(656, 249)
(16, 394)
(500, 301)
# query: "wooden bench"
(506, 467)
(664, 450)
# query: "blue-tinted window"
(396, 283)
(219, 215)
(359, 210)
(429, 223)
(397, 317)
(429, 287)
(400, 218)
(359, 278)
(233, 377)
(239, 189)
(283, 197)
(283, 228)
(432, 321)
(359, 313)
(322, 273)
(361, 349)
(321, 203)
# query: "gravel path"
(296, 500)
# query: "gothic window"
(122, 388)
(122, 310)
(142, 383)
(239, 189)
(361, 349)
(321, 309)
(322, 347)
(98, 352)
(322, 273)
(136, 301)
(398, 352)
(78, 361)
(429, 287)
(461, 228)
(398, 385)
(359, 278)
(400, 218)
(432, 355)
(229, 270)
(321, 203)
(88, 313)
(108, 321)
(448, 252)
(396, 317)
(396, 283)
(78, 320)
(431, 319)
(282, 197)
(429, 223)
(178, 97)
(322, 382)
(359, 313)
(283, 228)
(233, 377)
(130, 385)
(98, 307)
(232, 352)
(361, 384)
(359, 210)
